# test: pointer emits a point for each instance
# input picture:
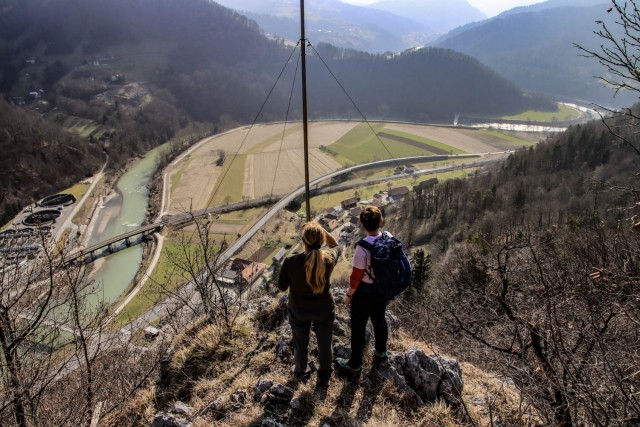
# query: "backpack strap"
(369, 247)
(362, 242)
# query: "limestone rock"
(163, 419)
(181, 408)
(270, 422)
(423, 373)
(341, 350)
(239, 397)
(283, 347)
(217, 407)
(262, 386)
(281, 392)
(451, 383)
(295, 403)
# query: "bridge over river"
(90, 253)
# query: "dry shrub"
(138, 411)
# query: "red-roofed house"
(332, 225)
(247, 271)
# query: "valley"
(152, 192)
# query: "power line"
(221, 180)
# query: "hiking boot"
(302, 377)
(345, 367)
(323, 381)
(380, 357)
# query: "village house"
(397, 193)
(377, 203)
(350, 203)
(36, 94)
(355, 211)
(330, 216)
(242, 272)
(251, 273)
(332, 225)
(19, 100)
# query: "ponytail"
(316, 263)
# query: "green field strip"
(177, 175)
(152, 291)
(78, 125)
(230, 189)
(564, 113)
(78, 190)
(447, 149)
(361, 145)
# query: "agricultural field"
(564, 113)
(84, 127)
(268, 159)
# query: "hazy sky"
(489, 7)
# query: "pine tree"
(421, 262)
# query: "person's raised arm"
(329, 239)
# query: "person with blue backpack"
(381, 270)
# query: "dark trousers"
(301, 321)
(367, 304)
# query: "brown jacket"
(293, 277)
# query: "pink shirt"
(361, 258)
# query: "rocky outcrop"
(176, 418)
(422, 378)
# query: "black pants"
(367, 304)
(301, 321)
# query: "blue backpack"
(390, 264)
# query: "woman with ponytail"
(307, 276)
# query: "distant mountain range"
(440, 16)
(534, 47)
(387, 26)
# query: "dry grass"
(208, 365)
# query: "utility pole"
(303, 47)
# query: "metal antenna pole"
(303, 44)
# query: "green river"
(127, 210)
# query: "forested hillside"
(549, 185)
(535, 49)
(537, 273)
(216, 63)
(38, 158)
